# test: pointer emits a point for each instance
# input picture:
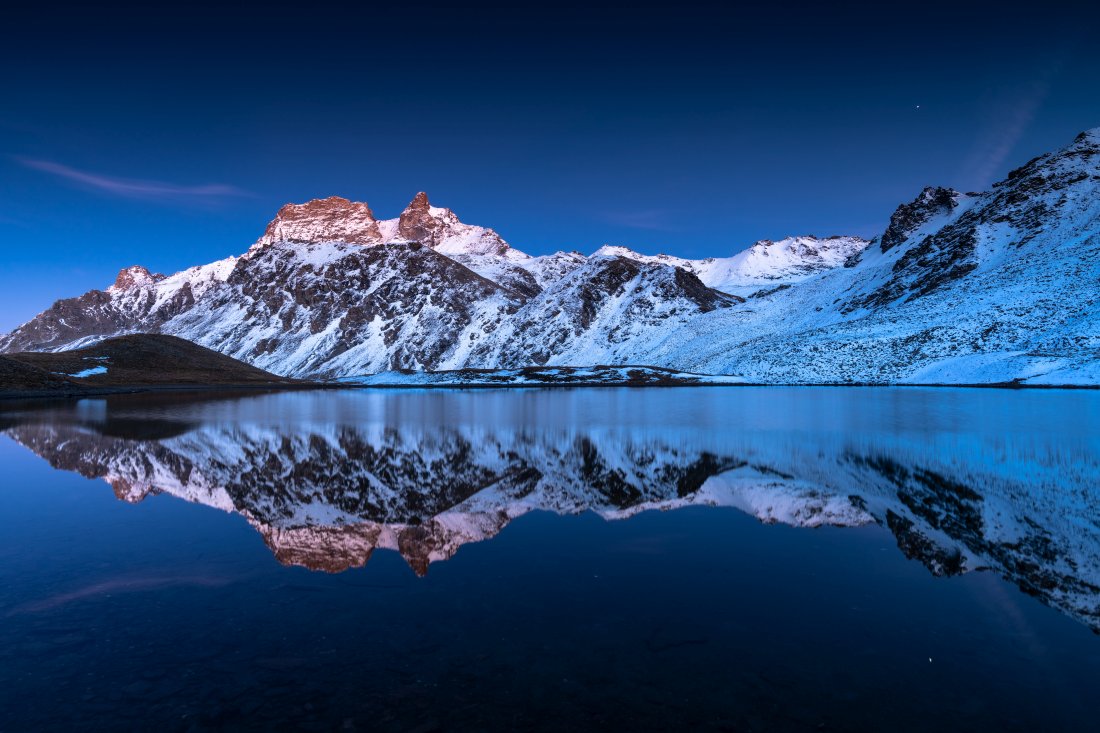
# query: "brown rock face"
(416, 222)
(441, 229)
(334, 219)
(127, 491)
(135, 276)
(327, 549)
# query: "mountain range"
(992, 287)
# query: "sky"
(169, 137)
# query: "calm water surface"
(704, 559)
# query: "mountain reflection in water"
(963, 479)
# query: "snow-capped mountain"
(960, 288)
(326, 495)
(990, 287)
(329, 290)
(598, 313)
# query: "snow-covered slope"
(597, 314)
(765, 264)
(334, 308)
(990, 287)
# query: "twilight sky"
(169, 138)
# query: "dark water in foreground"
(369, 560)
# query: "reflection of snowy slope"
(326, 494)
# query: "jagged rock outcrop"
(134, 276)
(441, 230)
(933, 201)
(334, 219)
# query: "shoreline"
(135, 389)
(590, 385)
(7, 396)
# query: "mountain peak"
(617, 250)
(1055, 170)
(1088, 137)
(134, 276)
(332, 219)
(441, 229)
(422, 222)
(907, 218)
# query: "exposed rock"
(334, 219)
(441, 230)
(932, 202)
(135, 276)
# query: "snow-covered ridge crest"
(764, 263)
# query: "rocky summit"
(993, 287)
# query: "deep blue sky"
(686, 128)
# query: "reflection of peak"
(441, 537)
(786, 500)
(126, 491)
(917, 546)
(338, 548)
(327, 496)
(327, 549)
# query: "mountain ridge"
(960, 288)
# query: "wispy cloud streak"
(653, 219)
(138, 189)
(118, 585)
(985, 162)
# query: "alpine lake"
(707, 558)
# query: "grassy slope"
(16, 376)
(142, 360)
